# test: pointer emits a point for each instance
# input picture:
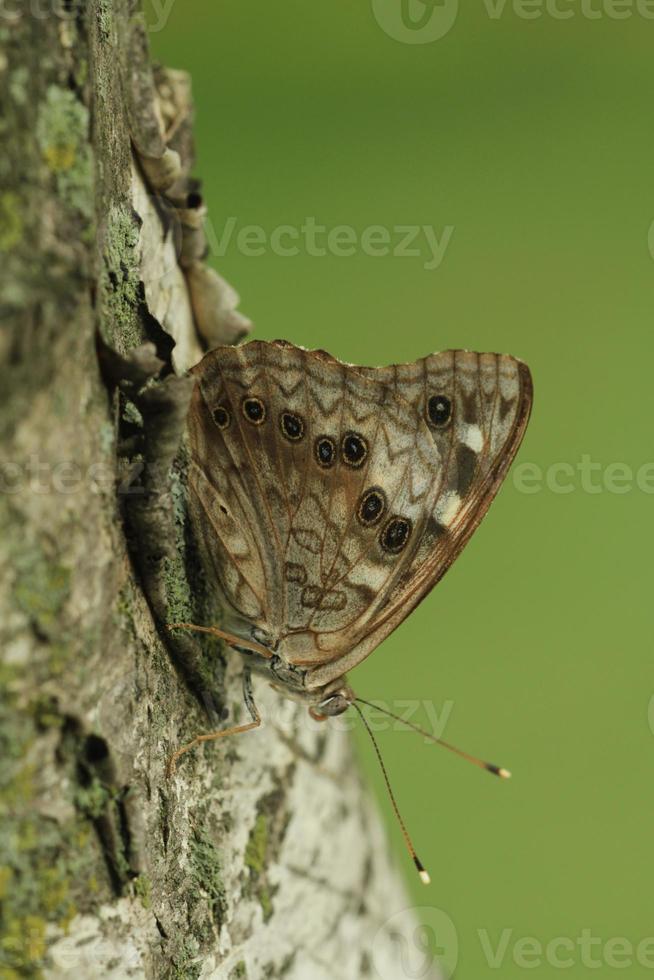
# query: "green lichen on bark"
(178, 592)
(188, 596)
(41, 588)
(120, 279)
(48, 869)
(46, 167)
(257, 859)
(62, 132)
(255, 852)
(206, 871)
(11, 221)
(263, 846)
(143, 888)
(52, 863)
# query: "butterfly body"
(329, 499)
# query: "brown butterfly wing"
(490, 397)
(279, 523)
(381, 457)
(308, 548)
(230, 512)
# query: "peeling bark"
(263, 857)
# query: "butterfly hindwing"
(488, 400)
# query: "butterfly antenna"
(488, 766)
(424, 875)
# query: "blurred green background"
(533, 139)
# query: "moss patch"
(207, 871)
(256, 858)
(93, 799)
(11, 221)
(41, 589)
(178, 593)
(185, 961)
(40, 881)
(255, 852)
(120, 281)
(263, 847)
(62, 133)
(143, 888)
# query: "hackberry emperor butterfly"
(329, 499)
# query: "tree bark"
(263, 856)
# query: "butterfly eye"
(292, 426)
(254, 410)
(334, 705)
(371, 507)
(354, 449)
(325, 451)
(439, 410)
(221, 417)
(395, 535)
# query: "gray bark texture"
(262, 856)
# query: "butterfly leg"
(230, 638)
(235, 730)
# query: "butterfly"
(328, 499)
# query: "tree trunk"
(262, 856)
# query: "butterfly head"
(333, 703)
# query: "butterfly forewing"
(333, 497)
(310, 459)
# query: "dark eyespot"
(325, 451)
(354, 449)
(371, 507)
(292, 426)
(221, 417)
(395, 535)
(439, 410)
(254, 410)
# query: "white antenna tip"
(424, 877)
(504, 774)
